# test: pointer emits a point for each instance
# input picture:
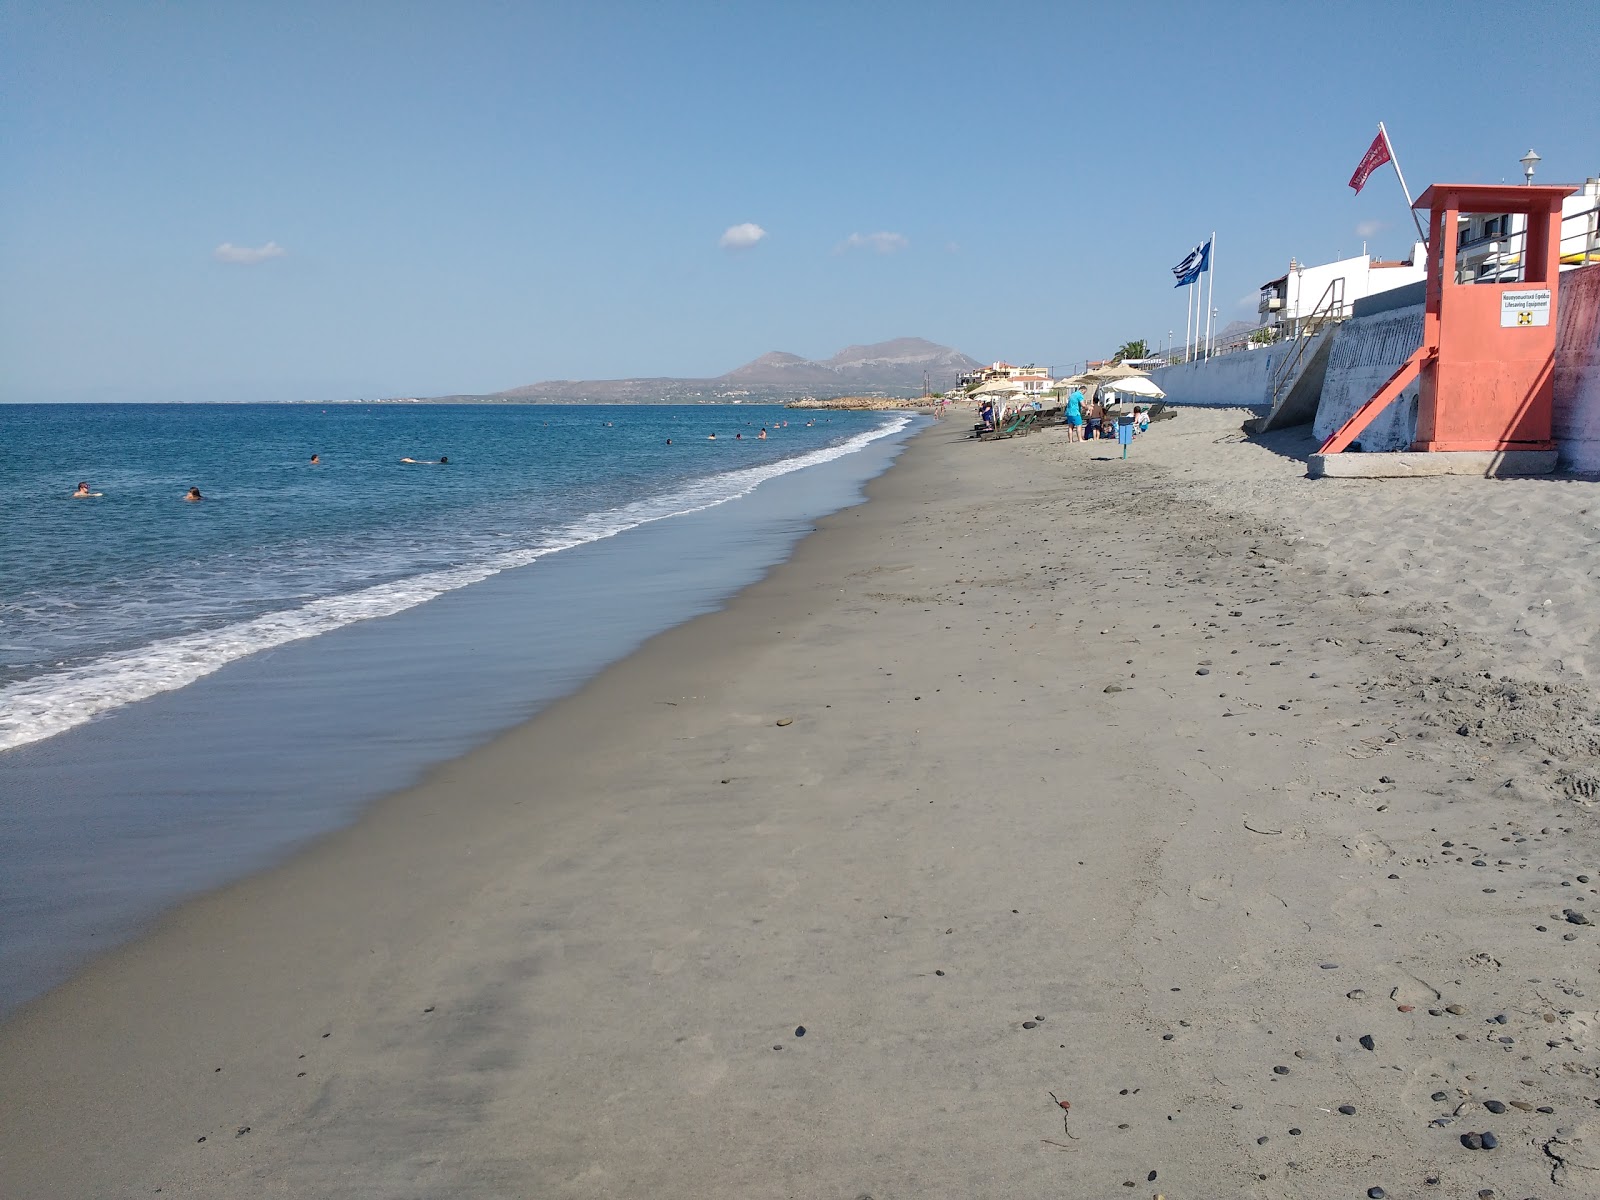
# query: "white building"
(1333, 288)
(1031, 380)
(1489, 246)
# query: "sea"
(189, 691)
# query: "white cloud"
(1367, 228)
(879, 243)
(247, 255)
(741, 237)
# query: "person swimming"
(712, 438)
(83, 492)
(442, 460)
(193, 494)
(762, 436)
(316, 460)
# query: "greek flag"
(1194, 264)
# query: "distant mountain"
(892, 368)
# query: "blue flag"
(1194, 264)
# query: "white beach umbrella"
(1139, 386)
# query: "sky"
(215, 200)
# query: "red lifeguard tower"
(1488, 348)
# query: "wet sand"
(1213, 800)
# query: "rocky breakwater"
(866, 403)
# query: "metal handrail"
(1329, 309)
(1583, 244)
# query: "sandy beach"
(1253, 817)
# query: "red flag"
(1377, 154)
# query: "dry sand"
(1157, 785)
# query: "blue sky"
(473, 196)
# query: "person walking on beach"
(1075, 416)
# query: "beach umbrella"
(1116, 371)
(1139, 386)
(995, 387)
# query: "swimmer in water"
(712, 438)
(762, 436)
(316, 460)
(193, 494)
(442, 460)
(83, 493)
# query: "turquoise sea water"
(189, 690)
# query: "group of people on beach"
(1087, 420)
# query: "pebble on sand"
(799, 1031)
(785, 720)
(1348, 1110)
(1367, 1043)
(1280, 1070)
(1376, 1193)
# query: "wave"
(45, 705)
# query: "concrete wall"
(1242, 379)
(1364, 354)
(1367, 350)
(1577, 402)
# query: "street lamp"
(1529, 161)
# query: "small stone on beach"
(790, 720)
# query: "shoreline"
(112, 823)
(1040, 709)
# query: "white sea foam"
(45, 705)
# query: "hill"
(892, 368)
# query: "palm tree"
(1136, 349)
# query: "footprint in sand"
(699, 1067)
(1206, 893)
(1355, 908)
(1368, 848)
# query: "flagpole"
(1188, 320)
(1394, 160)
(1211, 286)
